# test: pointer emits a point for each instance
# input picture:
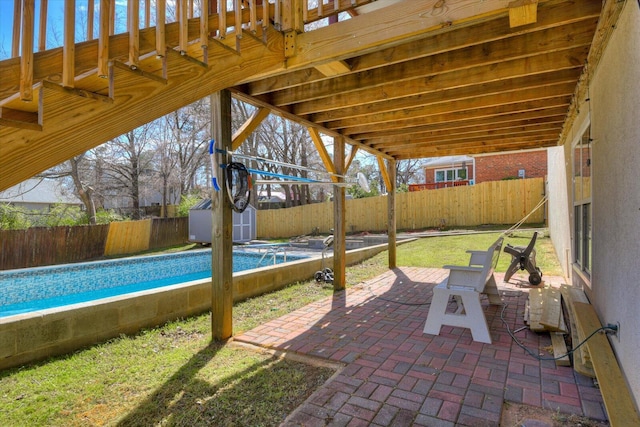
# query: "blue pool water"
(32, 289)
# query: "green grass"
(451, 250)
(175, 375)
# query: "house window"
(446, 175)
(582, 202)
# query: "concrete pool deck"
(394, 374)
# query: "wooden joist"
(544, 313)
(581, 357)
(71, 91)
(560, 349)
(535, 310)
(20, 119)
(615, 391)
(551, 317)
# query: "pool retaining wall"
(35, 336)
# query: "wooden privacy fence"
(39, 246)
(128, 237)
(495, 202)
(168, 232)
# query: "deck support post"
(222, 225)
(339, 217)
(391, 211)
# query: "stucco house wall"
(612, 108)
(558, 204)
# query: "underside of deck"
(399, 79)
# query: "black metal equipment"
(524, 258)
(326, 274)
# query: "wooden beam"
(287, 114)
(484, 74)
(26, 57)
(615, 392)
(249, 126)
(90, 17)
(77, 92)
(161, 19)
(292, 16)
(523, 12)
(411, 19)
(560, 349)
(204, 29)
(480, 135)
(530, 47)
(222, 19)
(69, 45)
(222, 230)
(137, 71)
(112, 20)
(352, 155)
(20, 119)
(133, 26)
(147, 14)
(459, 124)
(552, 14)
(333, 68)
(42, 30)
(514, 97)
(324, 154)
(339, 219)
(253, 16)
(103, 38)
(183, 19)
(15, 35)
(238, 20)
(384, 172)
(265, 14)
(391, 212)
(395, 150)
(186, 57)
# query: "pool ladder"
(274, 251)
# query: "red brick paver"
(396, 375)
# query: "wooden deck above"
(399, 79)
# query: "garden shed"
(244, 224)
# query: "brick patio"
(395, 375)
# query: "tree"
(76, 169)
(189, 140)
(288, 142)
(83, 190)
(126, 161)
(408, 171)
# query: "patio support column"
(339, 220)
(222, 225)
(391, 211)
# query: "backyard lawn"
(175, 375)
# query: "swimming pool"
(27, 290)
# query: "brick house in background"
(451, 171)
(521, 164)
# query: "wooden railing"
(436, 185)
(170, 25)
